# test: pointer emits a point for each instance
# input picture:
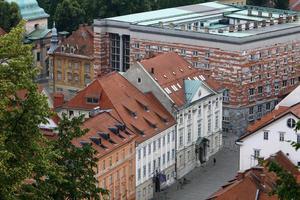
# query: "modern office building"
(252, 51)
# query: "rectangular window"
(154, 165)
(158, 141)
(168, 156)
(284, 83)
(139, 154)
(144, 151)
(169, 137)
(281, 137)
(189, 134)
(259, 108)
(38, 56)
(173, 154)
(199, 128)
(126, 52)
(164, 141)
(154, 146)
(164, 159)
(251, 110)
(149, 168)
(173, 136)
(251, 91)
(149, 149)
(139, 174)
(144, 171)
(268, 106)
(266, 135)
(181, 137)
(209, 124)
(256, 153)
(260, 89)
(298, 139)
(115, 51)
(158, 162)
(217, 120)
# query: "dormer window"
(92, 100)
(63, 49)
(132, 113)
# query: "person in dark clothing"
(215, 161)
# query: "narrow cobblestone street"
(203, 181)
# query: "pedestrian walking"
(215, 161)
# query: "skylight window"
(196, 78)
(174, 88)
(168, 90)
(178, 85)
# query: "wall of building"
(163, 154)
(71, 73)
(38, 23)
(116, 172)
(272, 145)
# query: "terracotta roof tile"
(131, 105)
(170, 69)
(82, 40)
(99, 128)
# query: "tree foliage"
(32, 167)
(68, 15)
(77, 163)
(9, 15)
(287, 187)
(92, 9)
(21, 152)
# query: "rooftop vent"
(280, 20)
(106, 136)
(96, 140)
(165, 76)
(240, 28)
(115, 130)
(174, 73)
(181, 70)
(220, 31)
(263, 23)
(271, 22)
(231, 28)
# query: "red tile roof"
(256, 179)
(171, 69)
(82, 40)
(100, 126)
(141, 112)
(271, 117)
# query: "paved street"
(208, 179)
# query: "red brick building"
(251, 51)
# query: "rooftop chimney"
(152, 70)
(58, 99)
(280, 20)
(231, 28)
(263, 23)
(240, 28)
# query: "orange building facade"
(115, 146)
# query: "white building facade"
(155, 157)
(195, 105)
(275, 134)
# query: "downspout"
(176, 113)
(257, 195)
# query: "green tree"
(78, 164)
(68, 15)
(258, 2)
(281, 4)
(9, 15)
(287, 187)
(22, 108)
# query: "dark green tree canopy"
(9, 15)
